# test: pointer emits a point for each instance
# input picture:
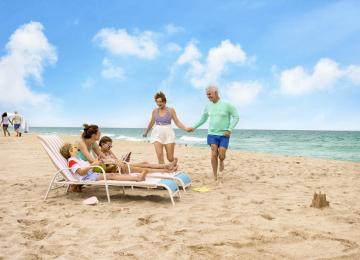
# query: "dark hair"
(65, 150)
(4, 114)
(104, 140)
(160, 95)
(89, 131)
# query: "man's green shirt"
(222, 117)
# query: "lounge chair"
(63, 176)
(182, 179)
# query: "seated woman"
(88, 144)
(112, 163)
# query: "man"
(223, 118)
(16, 121)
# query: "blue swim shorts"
(219, 140)
(16, 126)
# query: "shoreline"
(206, 148)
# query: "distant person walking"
(162, 135)
(223, 117)
(5, 121)
(16, 121)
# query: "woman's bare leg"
(170, 148)
(139, 169)
(153, 165)
(159, 152)
(125, 177)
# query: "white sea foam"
(129, 138)
(107, 134)
(192, 139)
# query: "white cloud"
(173, 47)
(191, 54)
(121, 43)
(173, 29)
(110, 71)
(326, 74)
(218, 58)
(353, 72)
(28, 52)
(242, 93)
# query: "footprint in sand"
(37, 235)
(145, 220)
(267, 216)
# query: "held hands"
(227, 133)
(189, 129)
(144, 134)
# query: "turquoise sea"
(337, 145)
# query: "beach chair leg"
(107, 192)
(182, 184)
(50, 186)
(67, 189)
(123, 188)
(171, 196)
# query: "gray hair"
(212, 88)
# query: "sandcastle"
(319, 201)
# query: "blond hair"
(65, 150)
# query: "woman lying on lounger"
(111, 163)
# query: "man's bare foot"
(221, 165)
(142, 175)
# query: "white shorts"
(163, 134)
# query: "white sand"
(258, 210)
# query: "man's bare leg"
(222, 156)
(214, 159)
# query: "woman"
(5, 121)
(88, 144)
(162, 135)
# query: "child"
(113, 163)
(5, 123)
(85, 173)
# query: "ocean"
(336, 145)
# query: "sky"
(284, 64)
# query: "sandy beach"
(259, 209)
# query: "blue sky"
(283, 64)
